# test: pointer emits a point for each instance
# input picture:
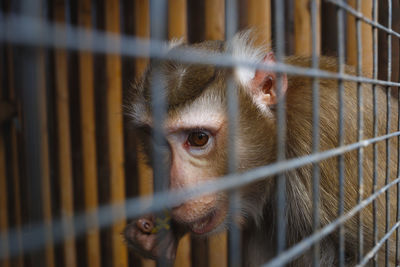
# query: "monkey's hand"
(154, 237)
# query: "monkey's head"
(196, 128)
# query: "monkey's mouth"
(205, 224)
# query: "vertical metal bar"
(158, 31)
(398, 175)
(177, 28)
(29, 65)
(214, 29)
(398, 185)
(234, 235)
(315, 132)
(340, 21)
(388, 117)
(375, 126)
(360, 125)
(281, 129)
(231, 11)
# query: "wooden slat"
(31, 64)
(215, 30)
(259, 19)
(383, 43)
(366, 38)
(183, 253)
(3, 174)
(196, 21)
(218, 250)
(200, 252)
(302, 28)
(115, 135)
(44, 150)
(64, 144)
(142, 29)
(145, 175)
(396, 47)
(329, 37)
(18, 261)
(3, 183)
(3, 202)
(87, 106)
(215, 19)
(177, 19)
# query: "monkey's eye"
(198, 138)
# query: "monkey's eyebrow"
(213, 129)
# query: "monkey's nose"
(145, 225)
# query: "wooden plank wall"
(90, 156)
(88, 136)
(366, 37)
(64, 142)
(3, 178)
(11, 200)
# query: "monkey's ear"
(263, 86)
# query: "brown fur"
(256, 146)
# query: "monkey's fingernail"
(145, 225)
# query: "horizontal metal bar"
(30, 31)
(138, 206)
(375, 249)
(361, 16)
(307, 242)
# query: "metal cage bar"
(315, 133)
(20, 30)
(234, 234)
(34, 32)
(388, 118)
(281, 132)
(340, 22)
(360, 134)
(160, 150)
(375, 126)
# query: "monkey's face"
(196, 130)
(196, 139)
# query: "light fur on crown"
(174, 42)
(243, 49)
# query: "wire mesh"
(26, 30)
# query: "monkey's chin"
(207, 224)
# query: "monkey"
(196, 130)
